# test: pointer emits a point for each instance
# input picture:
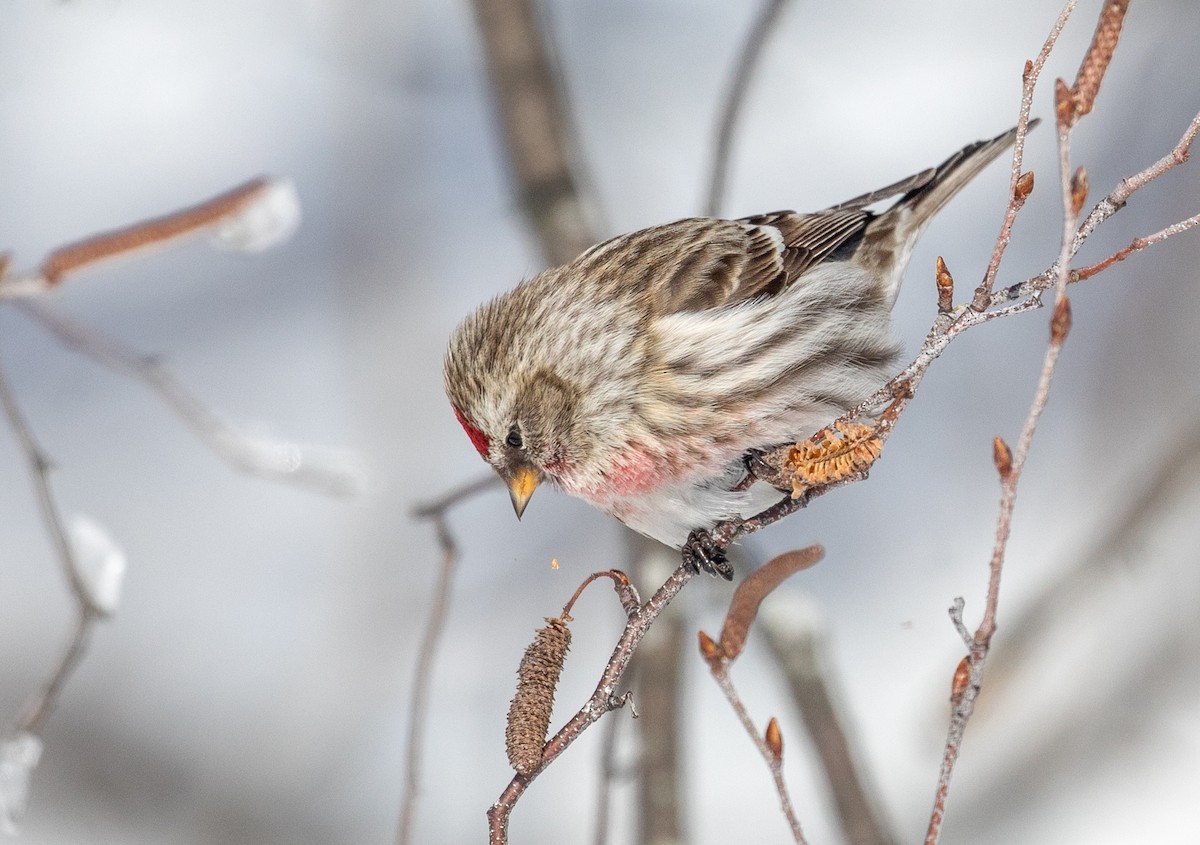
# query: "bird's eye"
(514, 439)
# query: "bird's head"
(524, 424)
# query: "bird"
(644, 374)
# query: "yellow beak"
(524, 481)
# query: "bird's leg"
(701, 552)
(750, 460)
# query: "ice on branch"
(19, 755)
(268, 217)
(100, 561)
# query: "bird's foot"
(702, 553)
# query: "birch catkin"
(529, 712)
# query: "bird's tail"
(889, 239)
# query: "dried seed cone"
(529, 712)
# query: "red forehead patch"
(478, 439)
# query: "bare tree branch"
(535, 123)
(274, 460)
(251, 217)
(39, 707)
(423, 673)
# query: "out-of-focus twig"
(37, 710)
(423, 673)
(274, 460)
(453, 497)
(530, 104)
(798, 649)
(658, 680)
(251, 217)
(749, 595)
(735, 98)
(608, 774)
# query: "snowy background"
(253, 687)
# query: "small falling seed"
(774, 739)
(962, 677)
(1024, 186)
(1002, 458)
(945, 287)
(1079, 190)
(1060, 323)
(554, 563)
(537, 678)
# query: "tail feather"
(889, 239)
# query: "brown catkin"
(529, 712)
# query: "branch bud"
(1002, 458)
(1060, 323)
(774, 740)
(945, 287)
(1024, 186)
(1079, 190)
(709, 650)
(1064, 106)
(962, 677)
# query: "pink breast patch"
(638, 471)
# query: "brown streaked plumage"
(639, 375)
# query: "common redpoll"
(641, 375)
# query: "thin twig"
(1136, 245)
(1131, 517)
(1029, 78)
(39, 707)
(39, 471)
(604, 699)
(1011, 464)
(720, 673)
(252, 216)
(798, 649)
(456, 495)
(423, 675)
(735, 98)
(274, 461)
(37, 710)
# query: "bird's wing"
(701, 263)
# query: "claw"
(701, 553)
